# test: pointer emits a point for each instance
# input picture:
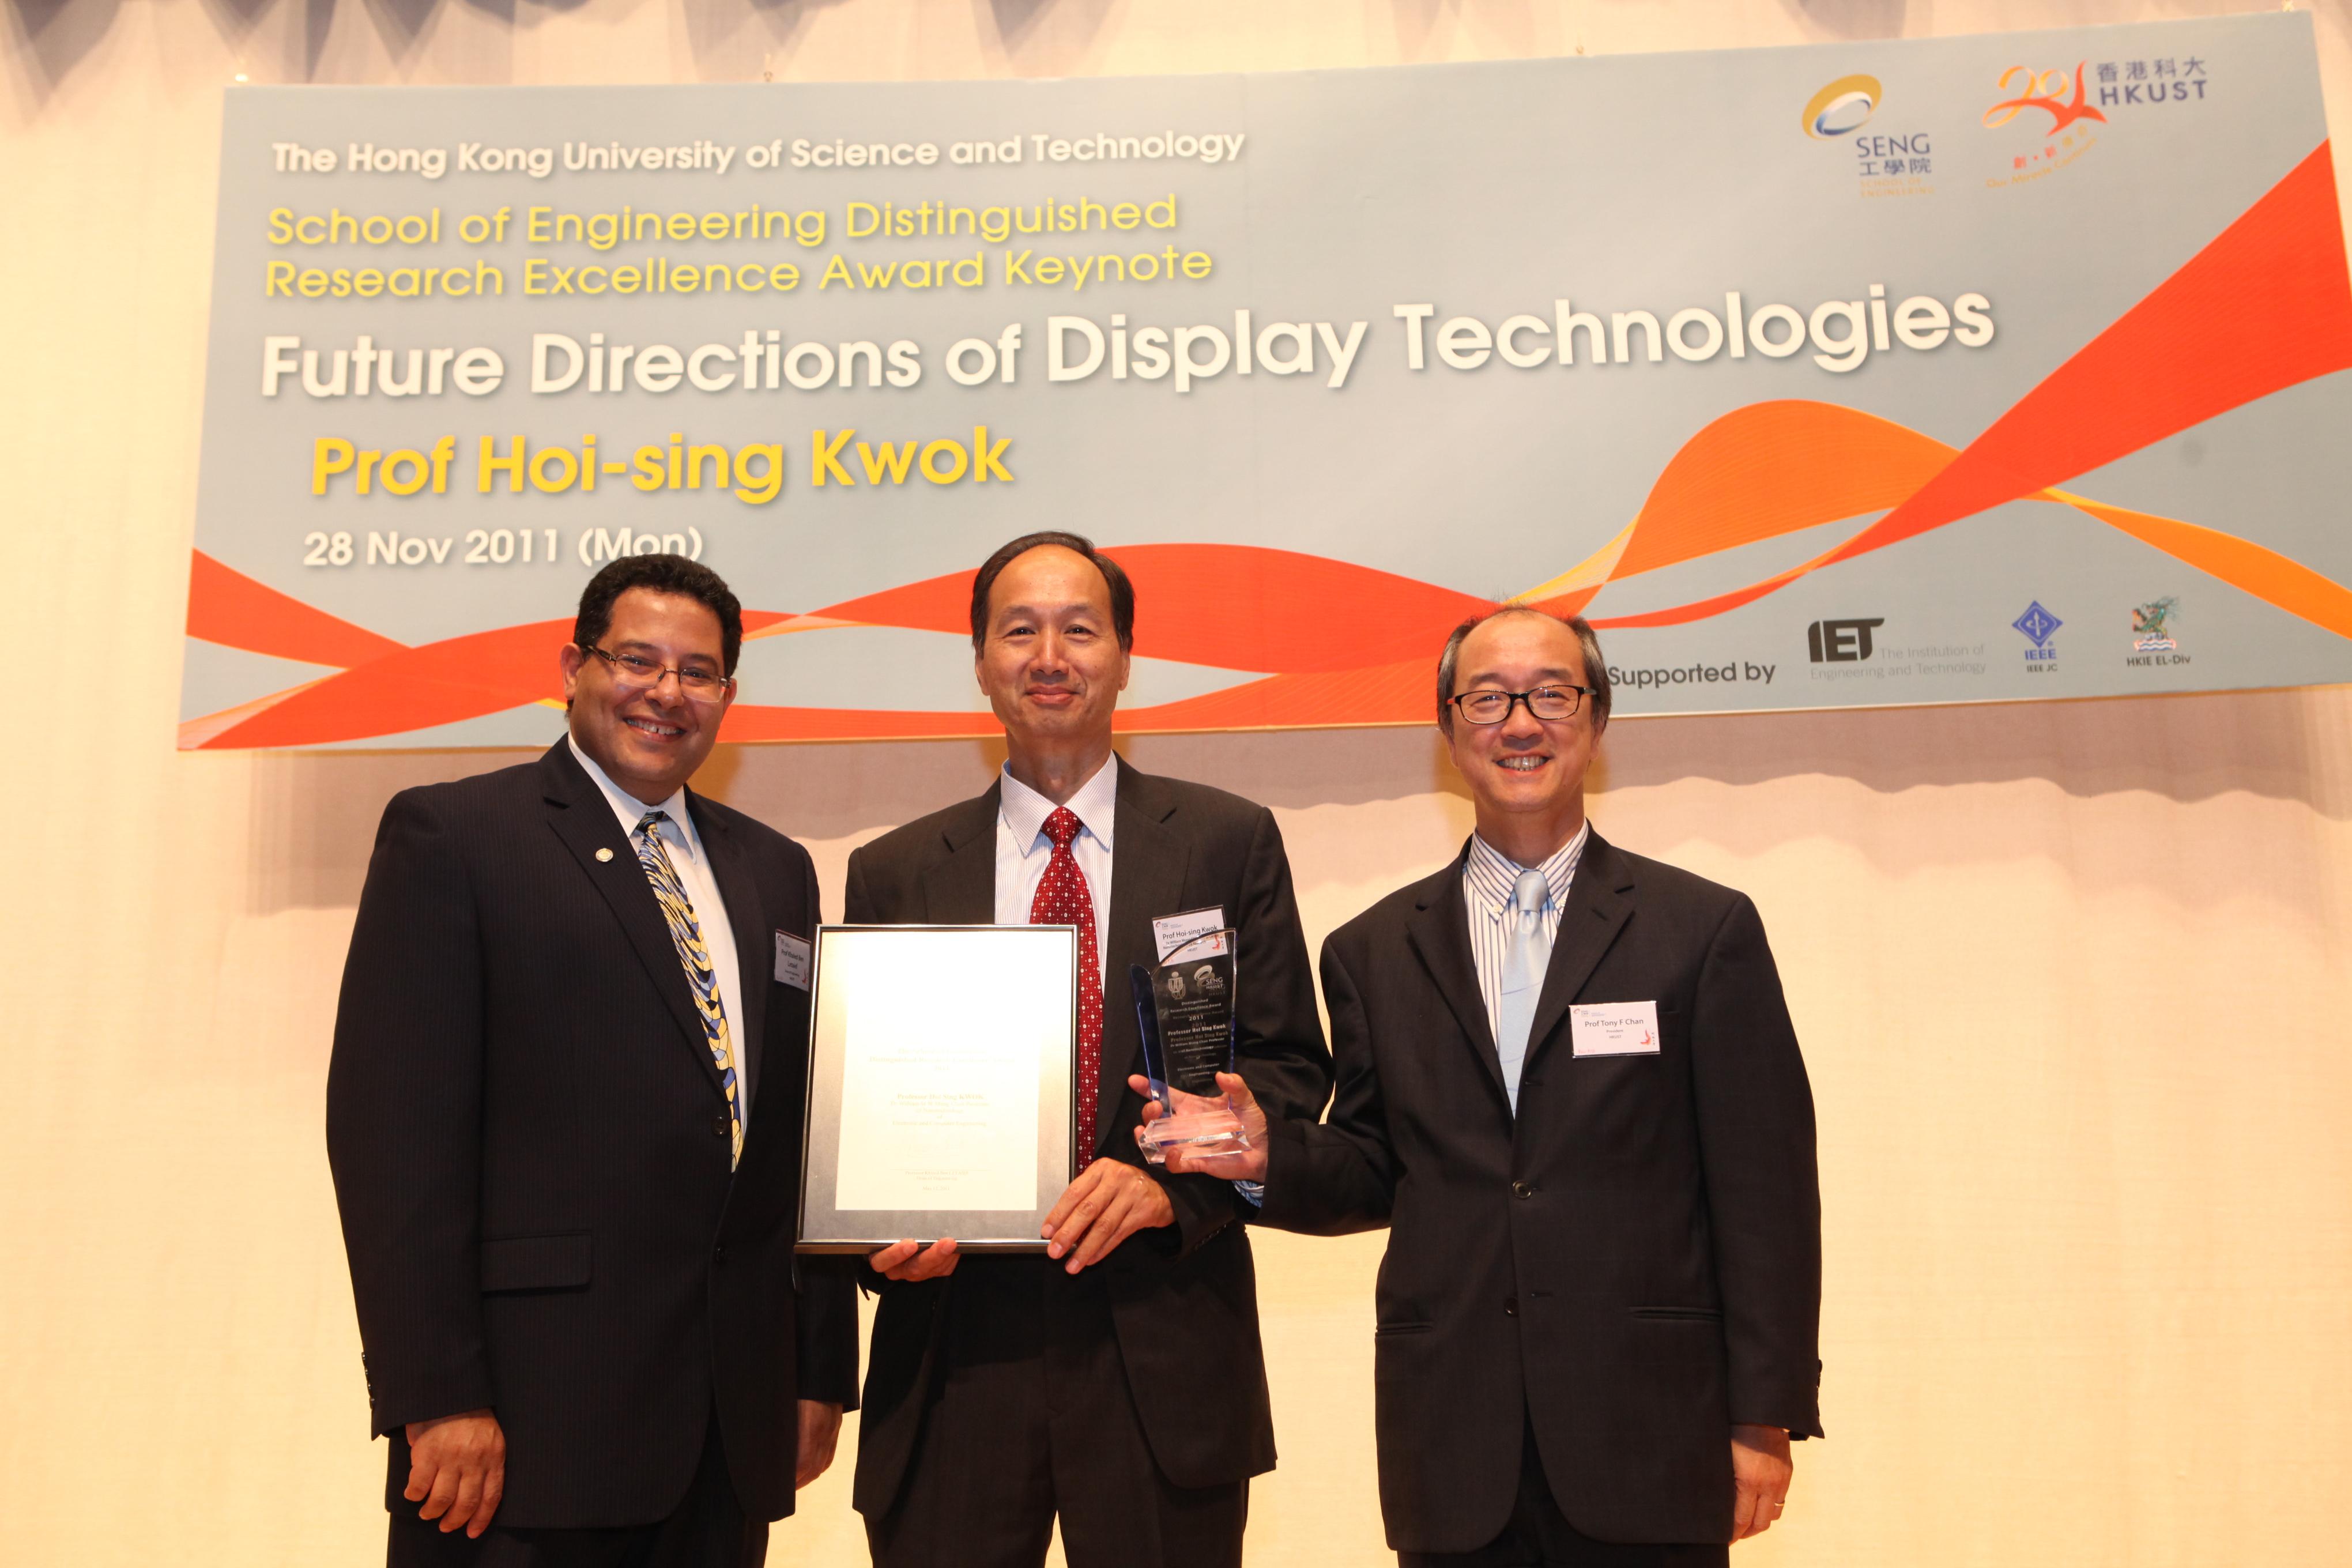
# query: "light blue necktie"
(1524, 963)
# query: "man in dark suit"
(1569, 1087)
(1116, 1382)
(565, 1118)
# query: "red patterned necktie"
(1063, 898)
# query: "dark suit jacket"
(1630, 1265)
(1183, 1298)
(530, 1146)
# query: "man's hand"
(458, 1469)
(1238, 1164)
(911, 1260)
(1110, 1201)
(820, 1429)
(1761, 1468)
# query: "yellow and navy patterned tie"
(701, 978)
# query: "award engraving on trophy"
(1184, 1008)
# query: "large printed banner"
(1963, 370)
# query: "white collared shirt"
(1488, 881)
(693, 868)
(1022, 850)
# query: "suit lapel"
(1598, 903)
(582, 819)
(960, 890)
(748, 920)
(1440, 932)
(1149, 860)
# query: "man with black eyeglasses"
(564, 1115)
(1568, 1086)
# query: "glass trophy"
(1184, 1008)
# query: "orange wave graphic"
(2265, 306)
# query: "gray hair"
(1596, 668)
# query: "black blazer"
(1630, 1265)
(1183, 1298)
(531, 1144)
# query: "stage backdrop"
(1953, 369)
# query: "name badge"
(1172, 931)
(791, 960)
(1614, 1029)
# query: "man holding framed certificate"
(1116, 1380)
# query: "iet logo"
(1841, 642)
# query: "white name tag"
(1614, 1029)
(791, 960)
(1172, 931)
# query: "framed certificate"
(940, 1066)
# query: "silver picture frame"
(919, 1104)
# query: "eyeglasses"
(1551, 702)
(639, 673)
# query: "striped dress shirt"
(1488, 877)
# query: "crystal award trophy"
(1184, 1007)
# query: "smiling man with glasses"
(1568, 1086)
(564, 1117)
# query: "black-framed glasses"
(1548, 702)
(640, 673)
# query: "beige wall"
(2072, 979)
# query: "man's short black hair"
(1122, 592)
(662, 574)
(1596, 668)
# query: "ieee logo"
(2039, 626)
(1841, 642)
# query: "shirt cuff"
(1254, 1191)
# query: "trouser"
(1539, 1536)
(707, 1530)
(1029, 1417)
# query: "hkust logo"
(2048, 106)
(2039, 628)
(1889, 163)
(2125, 84)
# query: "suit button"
(1510, 1306)
(717, 1255)
(721, 1127)
(1521, 1190)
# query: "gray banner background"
(1630, 182)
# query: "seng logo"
(1891, 162)
(1842, 107)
